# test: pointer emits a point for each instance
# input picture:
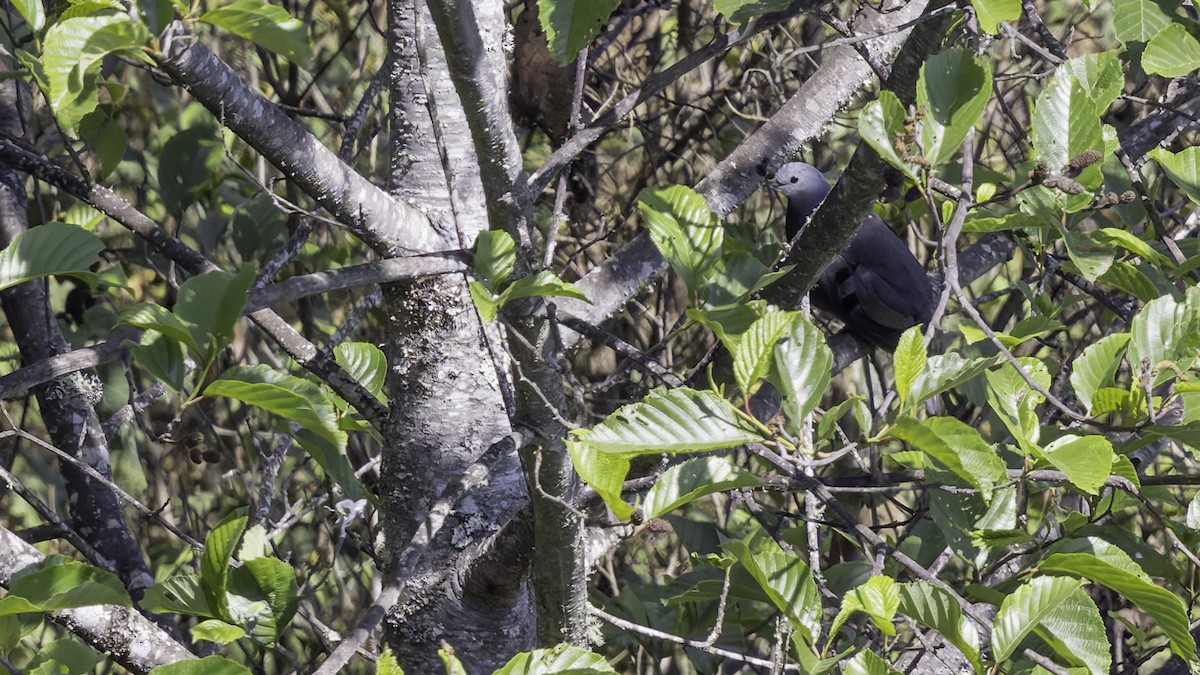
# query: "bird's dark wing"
(876, 286)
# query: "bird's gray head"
(804, 187)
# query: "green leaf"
(944, 372)
(1076, 632)
(729, 323)
(1115, 555)
(450, 661)
(693, 479)
(33, 13)
(800, 368)
(571, 24)
(991, 12)
(878, 598)
(209, 665)
(786, 581)
(1096, 366)
(297, 400)
(109, 145)
(366, 363)
(605, 472)
(1132, 243)
(735, 277)
(64, 657)
(1193, 512)
(741, 11)
(159, 318)
(287, 396)
(938, 609)
(1066, 119)
(541, 284)
(1031, 604)
(981, 221)
(215, 630)
(958, 447)
(910, 361)
(1015, 402)
(266, 25)
(834, 414)
(51, 248)
(1085, 460)
(1114, 399)
(1162, 605)
(562, 658)
(685, 231)
(219, 547)
(1091, 257)
(495, 259)
(1141, 20)
(164, 357)
(210, 304)
(1165, 332)
(72, 53)
(952, 89)
(868, 663)
(277, 580)
(1183, 168)
(486, 302)
(810, 663)
(386, 664)
(189, 161)
(679, 420)
(752, 353)
(89, 8)
(1131, 280)
(57, 583)
(263, 597)
(178, 595)
(881, 123)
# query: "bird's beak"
(774, 185)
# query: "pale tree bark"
(473, 35)
(129, 638)
(447, 390)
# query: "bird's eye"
(795, 179)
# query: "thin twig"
(695, 644)
(98, 477)
(950, 246)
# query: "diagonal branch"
(282, 332)
(130, 638)
(801, 121)
(363, 208)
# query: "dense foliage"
(549, 400)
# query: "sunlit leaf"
(571, 24)
(693, 479)
(266, 25)
(1095, 367)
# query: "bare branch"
(386, 225)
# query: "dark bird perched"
(876, 286)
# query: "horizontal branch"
(379, 272)
(113, 348)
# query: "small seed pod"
(1081, 161)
